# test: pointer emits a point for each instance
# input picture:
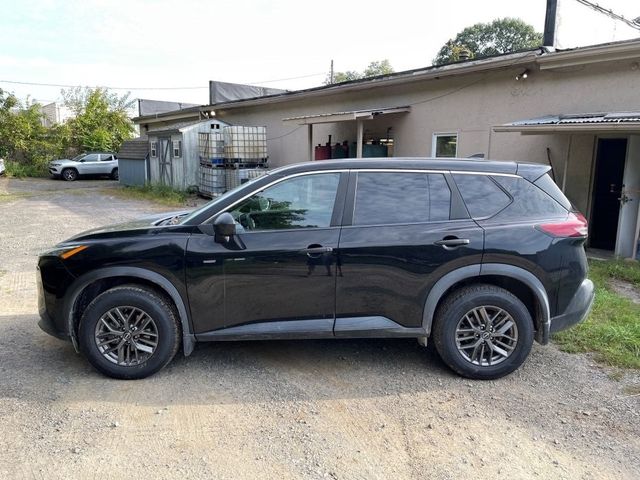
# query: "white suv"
(95, 163)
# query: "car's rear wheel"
(70, 174)
(114, 174)
(483, 332)
(129, 332)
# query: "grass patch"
(612, 330)
(22, 170)
(156, 193)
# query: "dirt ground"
(356, 409)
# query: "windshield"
(77, 157)
(216, 201)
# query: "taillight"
(574, 226)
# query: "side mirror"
(224, 228)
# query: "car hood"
(63, 160)
(149, 221)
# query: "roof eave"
(570, 128)
(586, 55)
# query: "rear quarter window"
(547, 184)
(482, 196)
(529, 201)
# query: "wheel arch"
(522, 283)
(87, 287)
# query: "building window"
(177, 148)
(444, 145)
(154, 149)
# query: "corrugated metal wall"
(132, 172)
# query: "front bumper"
(577, 310)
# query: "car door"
(403, 230)
(277, 278)
(106, 164)
(89, 164)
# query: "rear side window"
(481, 195)
(528, 200)
(384, 198)
(547, 184)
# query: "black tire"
(457, 351)
(114, 174)
(163, 318)
(70, 174)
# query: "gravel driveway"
(353, 409)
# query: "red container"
(323, 152)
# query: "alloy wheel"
(486, 336)
(126, 336)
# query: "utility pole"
(331, 74)
(549, 37)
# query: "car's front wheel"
(70, 174)
(483, 332)
(129, 332)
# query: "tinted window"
(528, 200)
(394, 198)
(481, 195)
(547, 184)
(301, 202)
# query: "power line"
(610, 13)
(61, 85)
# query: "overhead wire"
(62, 85)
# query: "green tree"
(101, 119)
(23, 138)
(485, 39)
(382, 67)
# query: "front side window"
(300, 202)
(444, 145)
(92, 157)
(384, 198)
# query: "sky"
(169, 50)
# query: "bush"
(21, 170)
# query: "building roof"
(136, 149)
(545, 58)
(611, 121)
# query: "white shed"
(174, 153)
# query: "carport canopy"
(358, 115)
(575, 123)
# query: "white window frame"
(154, 149)
(176, 148)
(434, 142)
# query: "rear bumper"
(577, 310)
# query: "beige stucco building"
(590, 134)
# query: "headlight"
(55, 164)
(65, 252)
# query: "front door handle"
(449, 243)
(316, 250)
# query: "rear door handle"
(452, 242)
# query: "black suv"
(482, 256)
